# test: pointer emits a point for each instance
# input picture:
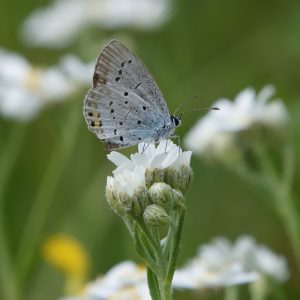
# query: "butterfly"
(125, 106)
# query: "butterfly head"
(176, 121)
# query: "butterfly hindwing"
(121, 119)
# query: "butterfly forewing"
(125, 105)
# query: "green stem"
(8, 160)
(45, 195)
(280, 189)
(153, 285)
(174, 249)
(287, 211)
(231, 292)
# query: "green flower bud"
(119, 207)
(148, 178)
(158, 175)
(124, 204)
(180, 178)
(154, 215)
(179, 200)
(161, 194)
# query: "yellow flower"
(69, 257)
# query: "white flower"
(127, 190)
(214, 134)
(53, 27)
(215, 266)
(76, 70)
(206, 139)
(26, 89)
(249, 109)
(127, 181)
(261, 259)
(165, 155)
(222, 263)
(124, 281)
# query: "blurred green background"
(214, 48)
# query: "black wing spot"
(122, 64)
(115, 131)
(139, 139)
(144, 107)
(139, 122)
(125, 93)
(117, 78)
(120, 72)
(121, 123)
(130, 61)
(100, 124)
(111, 103)
(126, 102)
(121, 138)
(93, 124)
(112, 111)
(114, 118)
(90, 114)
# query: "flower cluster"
(218, 134)
(222, 263)
(53, 28)
(126, 280)
(150, 177)
(25, 89)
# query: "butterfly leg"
(178, 139)
(145, 146)
(166, 146)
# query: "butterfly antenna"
(197, 109)
(185, 102)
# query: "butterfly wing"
(125, 105)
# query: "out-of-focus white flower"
(215, 266)
(214, 134)
(261, 259)
(53, 27)
(205, 138)
(222, 263)
(26, 89)
(165, 155)
(76, 70)
(124, 281)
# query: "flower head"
(25, 89)
(222, 263)
(132, 186)
(126, 280)
(157, 162)
(261, 259)
(53, 28)
(216, 134)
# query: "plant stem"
(290, 218)
(45, 195)
(8, 160)
(231, 293)
(280, 189)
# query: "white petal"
(117, 158)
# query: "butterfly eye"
(175, 121)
